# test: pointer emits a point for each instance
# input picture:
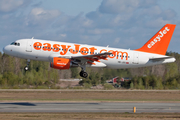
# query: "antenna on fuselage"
(107, 46)
(32, 38)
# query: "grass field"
(63, 95)
(89, 116)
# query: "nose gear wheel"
(26, 68)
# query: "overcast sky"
(117, 23)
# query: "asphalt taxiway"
(118, 107)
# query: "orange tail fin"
(159, 43)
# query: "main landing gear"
(26, 68)
(83, 73)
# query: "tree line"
(41, 75)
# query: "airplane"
(63, 55)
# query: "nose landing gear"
(26, 68)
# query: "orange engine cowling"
(60, 63)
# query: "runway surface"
(89, 107)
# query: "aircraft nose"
(4, 49)
(9, 51)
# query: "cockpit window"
(12, 43)
(15, 43)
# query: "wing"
(90, 59)
(85, 59)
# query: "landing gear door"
(136, 58)
(29, 46)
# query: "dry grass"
(88, 116)
(89, 96)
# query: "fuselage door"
(29, 46)
(136, 58)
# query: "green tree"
(159, 84)
(103, 80)
(146, 81)
(140, 83)
(131, 85)
(74, 72)
(172, 70)
(11, 78)
(174, 83)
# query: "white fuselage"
(44, 50)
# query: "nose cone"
(9, 50)
(5, 49)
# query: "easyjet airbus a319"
(62, 55)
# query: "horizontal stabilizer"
(159, 59)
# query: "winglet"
(159, 43)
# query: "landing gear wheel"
(83, 74)
(26, 68)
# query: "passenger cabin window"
(15, 43)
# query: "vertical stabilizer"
(159, 43)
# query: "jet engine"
(60, 63)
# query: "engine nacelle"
(60, 63)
